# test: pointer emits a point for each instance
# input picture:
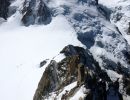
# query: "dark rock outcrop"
(4, 4)
(129, 29)
(79, 65)
(48, 82)
(57, 75)
(127, 55)
(43, 62)
(35, 12)
(126, 84)
(128, 90)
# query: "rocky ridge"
(58, 75)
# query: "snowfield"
(22, 49)
(119, 7)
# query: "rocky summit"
(79, 66)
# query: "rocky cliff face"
(4, 4)
(77, 66)
(60, 74)
(32, 11)
(35, 12)
(49, 81)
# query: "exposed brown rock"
(48, 81)
(70, 94)
(81, 74)
(74, 67)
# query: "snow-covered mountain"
(34, 31)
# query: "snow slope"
(94, 30)
(22, 49)
(119, 8)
